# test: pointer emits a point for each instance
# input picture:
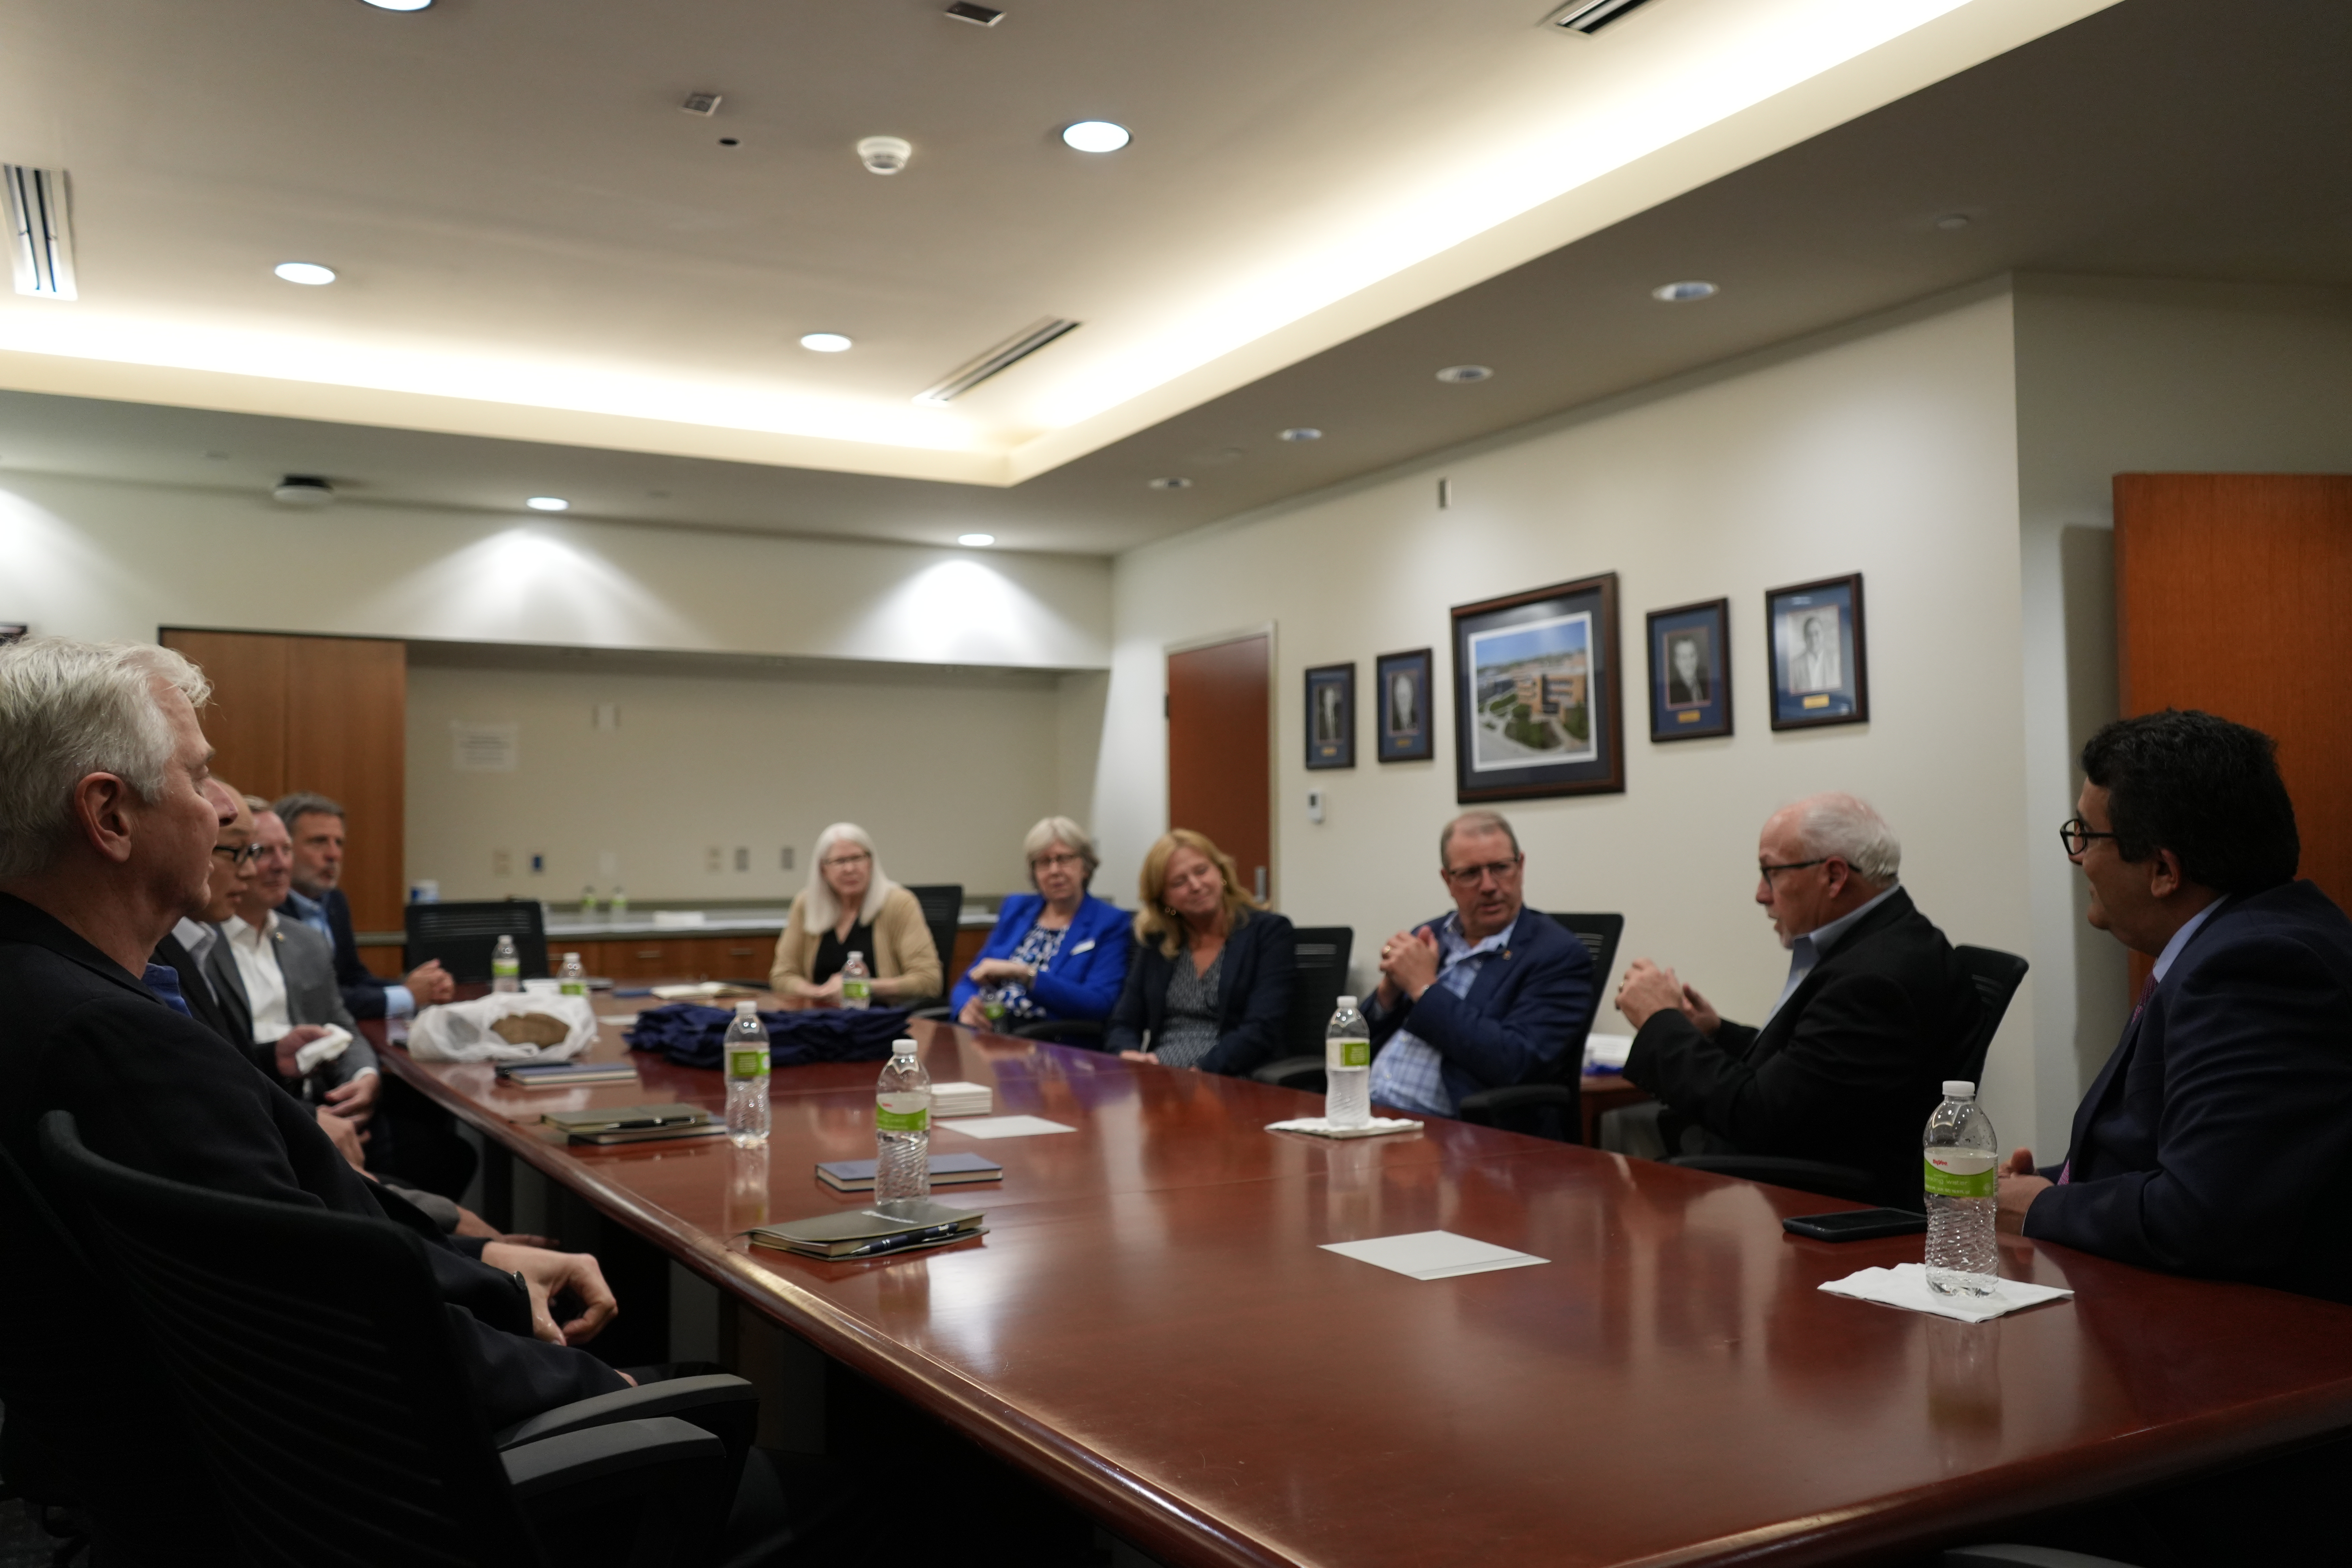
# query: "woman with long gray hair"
(850, 906)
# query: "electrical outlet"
(501, 862)
(714, 858)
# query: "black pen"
(901, 1241)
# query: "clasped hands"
(1409, 962)
(2019, 1185)
(1648, 990)
(989, 971)
(429, 984)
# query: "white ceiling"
(534, 242)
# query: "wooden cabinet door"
(1219, 763)
(746, 957)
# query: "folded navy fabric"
(691, 1034)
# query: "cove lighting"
(548, 503)
(1096, 136)
(825, 342)
(1691, 288)
(976, 540)
(305, 272)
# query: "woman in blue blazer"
(1059, 952)
(1211, 981)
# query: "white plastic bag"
(460, 1031)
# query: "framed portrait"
(1819, 659)
(1690, 671)
(1400, 688)
(1331, 716)
(1537, 704)
(12, 631)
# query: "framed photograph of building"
(1537, 709)
(1690, 671)
(1331, 716)
(1401, 688)
(1819, 659)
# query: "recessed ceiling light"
(1954, 220)
(303, 489)
(1096, 136)
(825, 342)
(1459, 374)
(978, 15)
(1176, 483)
(1302, 433)
(975, 539)
(305, 272)
(1689, 289)
(548, 503)
(397, 5)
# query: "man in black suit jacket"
(189, 947)
(94, 869)
(2218, 1138)
(1871, 1022)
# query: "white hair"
(1846, 827)
(70, 709)
(1053, 830)
(824, 908)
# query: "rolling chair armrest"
(1058, 1029)
(632, 1492)
(726, 1406)
(1773, 1170)
(1484, 1105)
(1305, 1073)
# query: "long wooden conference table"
(1151, 1329)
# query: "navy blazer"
(1082, 979)
(2217, 1139)
(1523, 1022)
(1261, 967)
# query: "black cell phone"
(1856, 1225)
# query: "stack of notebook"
(962, 1100)
(946, 1170)
(636, 1124)
(916, 1224)
(563, 1074)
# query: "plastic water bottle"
(1962, 1153)
(991, 1006)
(902, 1128)
(856, 982)
(1347, 1068)
(506, 966)
(571, 979)
(619, 903)
(747, 1078)
(588, 900)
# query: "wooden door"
(2231, 594)
(329, 714)
(1220, 756)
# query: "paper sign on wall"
(484, 748)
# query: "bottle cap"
(571, 958)
(1959, 1089)
(856, 955)
(1346, 1004)
(749, 1005)
(902, 1047)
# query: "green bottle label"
(748, 1061)
(505, 969)
(858, 989)
(1347, 1053)
(888, 1120)
(574, 988)
(1962, 1175)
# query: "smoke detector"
(308, 491)
(884, 154)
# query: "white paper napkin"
(1906, 1286)
(1320, 1126)
(1432, 1255)
(322, 1050)
(1002, 1126)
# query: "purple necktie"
(2067, 1170)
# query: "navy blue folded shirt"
(693, 1035)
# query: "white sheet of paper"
(1606, 1050)
(1002, 1126)
(1432, 1254)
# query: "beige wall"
(945, 769)
(1889, 449)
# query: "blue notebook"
(946, 1170)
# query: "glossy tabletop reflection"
(1151, 1325)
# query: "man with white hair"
(1850, 1060)
(107, 834)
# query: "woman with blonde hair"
(1057, 953)
(849, 906)
(1210, 986)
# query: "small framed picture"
(1331, 716)
(1536, 702)
(1690, 671)
(1819, 659)
(1400, 686)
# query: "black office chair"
(1996, 976)
(943, 913)
(463, 936)
(1321, 975)
(307, 1359)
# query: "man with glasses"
(1483, 997)
(2218, 1138)
(190, 943)
(1850, 1060)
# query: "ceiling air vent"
(40, 239)
(1002, 357)
(1589, 16)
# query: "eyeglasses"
(1043, 862)
(239, 856)
(269, 851)
(1765, 869)
(2076, 835)
(841, 862)
(1471, 876)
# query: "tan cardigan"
(903, 948)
